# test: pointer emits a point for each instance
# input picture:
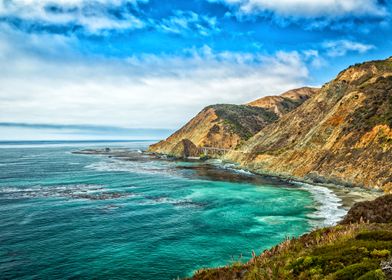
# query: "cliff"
(341, 135)
(228, 126)
(351, 250)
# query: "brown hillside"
(285, 102)
(227, 126)
(341, 135)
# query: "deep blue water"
(64, 215)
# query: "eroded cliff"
(341, 135)
(227, 126)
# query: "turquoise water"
(64, 215)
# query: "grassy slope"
(244, 120)
(341, 252)
(352, 250)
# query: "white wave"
(115, 165)
(108, 166)
(329, 206)
(214, 161)
(242, 171)
(232, 167)
(27, 219)
(276, 219)
(177, 203)
(85, 188)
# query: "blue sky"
(154, 64)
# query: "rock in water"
(185, 149)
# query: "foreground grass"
(354, 251)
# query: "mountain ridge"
(342, 135)
(227, 126)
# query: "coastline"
(332, 201)
(328, 204)
(348, 194)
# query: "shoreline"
(332, 200)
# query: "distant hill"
(228, 126)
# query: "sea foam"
(329, 206)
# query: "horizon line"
(77, 126)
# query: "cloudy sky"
(75, 65)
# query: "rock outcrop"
(228, 126)
(376, 211)
(185, 148)
(341, 135)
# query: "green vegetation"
(377, 108)
(243, 120)
(383, 65)
(342, 252)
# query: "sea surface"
(65, 215)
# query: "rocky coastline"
(340, 134)
(349, 195)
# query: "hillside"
(341, 135)
(228, 126)
(286, 102)
(354, 250)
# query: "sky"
(77, 69)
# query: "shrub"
(354, 271)
(373, 275)
(380, 235)
(380, 253)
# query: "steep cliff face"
(341, 135)
(227, 126)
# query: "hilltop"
(228, 126)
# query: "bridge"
(216, 151)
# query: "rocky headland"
(226, 127)
(340, 134)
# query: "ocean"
(65, 215)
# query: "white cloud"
(309, 9)
(342, 47)
(188, 21)
(145, 91)
(97, 16)
(93, 15)
(313, 58)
